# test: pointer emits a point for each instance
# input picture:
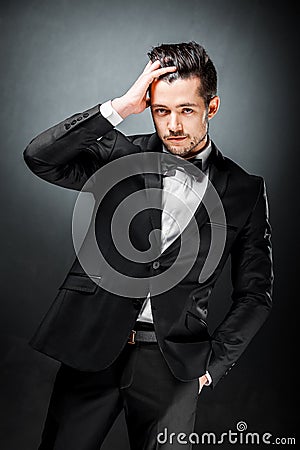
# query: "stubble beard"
(186, 151)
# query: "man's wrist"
(122, 106)
(206, 379)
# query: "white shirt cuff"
(209, 379)
(109, 113)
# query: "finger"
(147, 66)
(153, 65)
(158, 72)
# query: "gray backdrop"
(63, 56)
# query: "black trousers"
(84, 405)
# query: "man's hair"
(191, 60)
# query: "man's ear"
(213, 107)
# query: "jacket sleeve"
(68, 153)
(252, 281)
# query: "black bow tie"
(190, 167)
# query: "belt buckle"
(131, 337)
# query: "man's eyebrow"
(156, 105)
(186, 104)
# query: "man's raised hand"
(135, 100)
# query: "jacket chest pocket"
(222, 226)
(222, 234)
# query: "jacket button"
(155, 265)
(137, 304)
(67, 126)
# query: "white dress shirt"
(175, 216)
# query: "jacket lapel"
(218, 179)
(154, 184)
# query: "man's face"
(180, 115)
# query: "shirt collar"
(203, 154)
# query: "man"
(130, 326)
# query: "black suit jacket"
(87, 325)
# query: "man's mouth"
(176, 139)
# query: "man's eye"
(160, 111)
(187, 111)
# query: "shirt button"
(67, 126)
(79, 118)
(85, 115)
(73, 122)
(155, 265)
(137, 303)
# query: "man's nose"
(174, 123)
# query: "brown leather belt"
(141, 336)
